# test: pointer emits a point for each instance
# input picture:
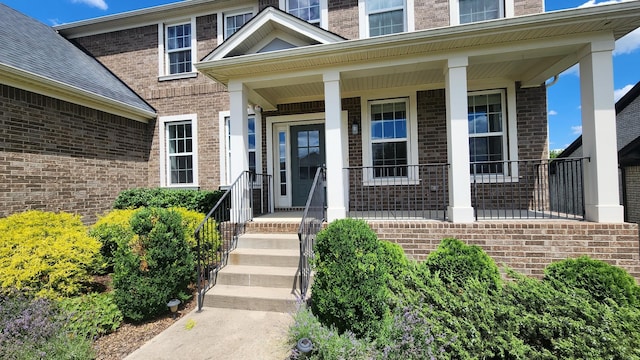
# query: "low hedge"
(197, 200)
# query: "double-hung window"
(389, 141)
(480, 10)
(385, 16)
(307, 10)
(178, 48)
(233, 22)
(178, 147)
(487, 133)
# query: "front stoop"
(261, 273)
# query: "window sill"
(188, 75)
(183, 187)
(494, 179)
(390, 182)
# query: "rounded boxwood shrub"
(600, 280)
(457, 262)
(349, 290)
(112, 229)
(196, 200)
(49, 254)
(155, 267)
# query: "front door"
(307, 155)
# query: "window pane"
(389, 22)
(308, 10)
(479, 10)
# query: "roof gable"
(272, 30)
(36, 58)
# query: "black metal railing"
(218, 233)
(313, 217)
(528, 189)
(398, 192)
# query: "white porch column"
(238, 129)
(460, 210)
(602, 199)
(335, 153)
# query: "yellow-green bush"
(114, 228)
(49, 254)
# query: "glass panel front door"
(307, 155)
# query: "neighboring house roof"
(34, 57)
(621, 104)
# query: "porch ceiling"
(529, 49)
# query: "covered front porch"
(443, 124)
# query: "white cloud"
(619, 93)
(574, 70)
(595, 2)
(628, 44)
(100, 4)
(552, 112)
(576, 130)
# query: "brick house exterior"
(406, 103)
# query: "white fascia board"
(262, 19)
(41, 85)
(139, 18)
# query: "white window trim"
(412, 140)
(409, 21)
(163, 57)
(224, 146)
(164, 154)
(511, 121)
(454, 10)
(324, 12)
(222, 19)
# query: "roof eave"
(607, 13)
(45, 86)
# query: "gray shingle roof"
(32, 46)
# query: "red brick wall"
(527, 247)
(55, 155)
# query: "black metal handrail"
(398, 191)
(218, 233)
(312, 219)
(528, 189)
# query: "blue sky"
(563, 97)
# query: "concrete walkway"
(224, 334)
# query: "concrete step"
(265, 257)
(251, 298)
(268, 241)
(265, 276)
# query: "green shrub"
(457, 262)
(92, 315)
(600, 280)
(155, 268)
(560, 325)
(349, 289)
(112, 229)
(201, 201)
(47, 253)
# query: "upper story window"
(312, 11)
(468, 11)
(233, 22)
(480, 10)
(385, 16)
(487, 132)
(307, 10)
(179, 48)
